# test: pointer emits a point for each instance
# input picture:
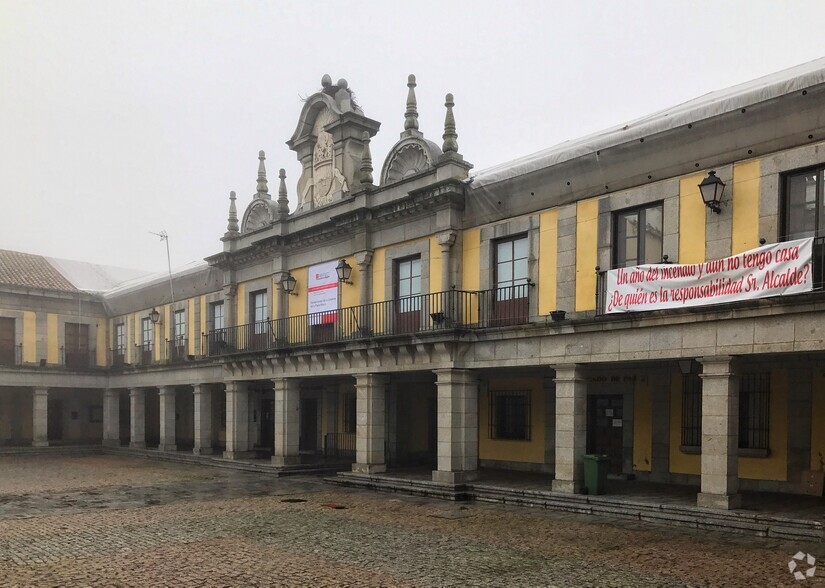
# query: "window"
(754, 411)
(691, 410)
(637, 236)
(408, 283)
(804, 209)
(509, 415)
(511, 268)
(217, 316)
(120, 339)
(147, 330)
(350, 406)
(259, 313)
(179, 328)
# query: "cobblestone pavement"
(125, 521)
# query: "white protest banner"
(322, 292)
(771, 270)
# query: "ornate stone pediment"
(257, 216)
(408, 157)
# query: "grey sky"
(120, 118)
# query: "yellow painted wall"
(190, 327)
(775, 466)
(745, 194)
(272, 288)
(470, 269)
(692, 217)
(818, 422)
(350, 294)
(137, 334)
(101, 342)
(587, 230)
(204, 312)
(548, 260)
(531, 451)
(680, 463)
(435, 267)
(240, 302)
(379, 259)
(52, 347)
(298, 304)
(29, 342)
(642, 426)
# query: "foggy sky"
(121, 118)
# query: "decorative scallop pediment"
(257, 216)
(408, 157)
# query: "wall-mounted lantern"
(289, 282)
(344, 271)
(154, 316)
(711, 189)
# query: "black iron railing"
(177, 349)
(453, 309)
(118, 357)
(339, 445)
(78, 359)
(144, 353)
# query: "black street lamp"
(711, 189)
(289, 283)
(344, 271)
(154, 316)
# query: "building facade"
(409, 315)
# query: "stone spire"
(450, 136)
(411, 116)
(232, 229)
(263, 190)
(283, 201)
(366, 161)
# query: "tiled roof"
(31, 271)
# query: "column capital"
(236, 386)
(446, 239)
(718, 366)
(166, 390)
(371, 380)
(278, 278)
(230, 290)
(456, 376)
(41, 391)
(363, 258)
(569, 372)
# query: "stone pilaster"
(166, 396)
(137, 418)
(446, 241)
(202, 394)
(237, 420)
(40, 411)
(370, 429)
(364, 261)
(286, 416)
(720, 434)
(571, 428)
(457, 426)
(548, 388)
(111, 418)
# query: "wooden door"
(7, 342)
(605, 430)
(77, 345)
(309, 425)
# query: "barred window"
(754, 411)
(350, 406)
(509, 415)
(691, 410)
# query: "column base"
(369, 468)
(567, 486)
(137, 444)
(238, 454)
(167, 447)
(203, 451)
(40, 443)
(285, 460)
(461, 477)
(111, 442)
(718, 501)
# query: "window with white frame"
(259, 311)
(408, 283)
(511, 269)
(637, 236)
(120, 339)
(217, 316)
(147, 334)
(179, 328)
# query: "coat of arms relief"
(326, 183)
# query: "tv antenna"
(165, 237)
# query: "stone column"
(571, 428)
(166, 396)
(286, 420)
(237, 420)
(446, 240)
(111, 418)
(548, 388)
(137, 417)
(720, 434)
(364, 261)
(202, 394)
(370, 430)
(457, 426)
(40, 410)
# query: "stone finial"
(232, 229)
(283, 200)
(411, 116)
(366, 161)
(263, 190)
(450, 136)
(326, 81)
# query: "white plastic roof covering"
(712, 104)
(90, 277)
(155, 278)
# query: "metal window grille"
(754, 411)
(509, 415)
(350, 406)
(691, 410)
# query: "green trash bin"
(595, 473)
